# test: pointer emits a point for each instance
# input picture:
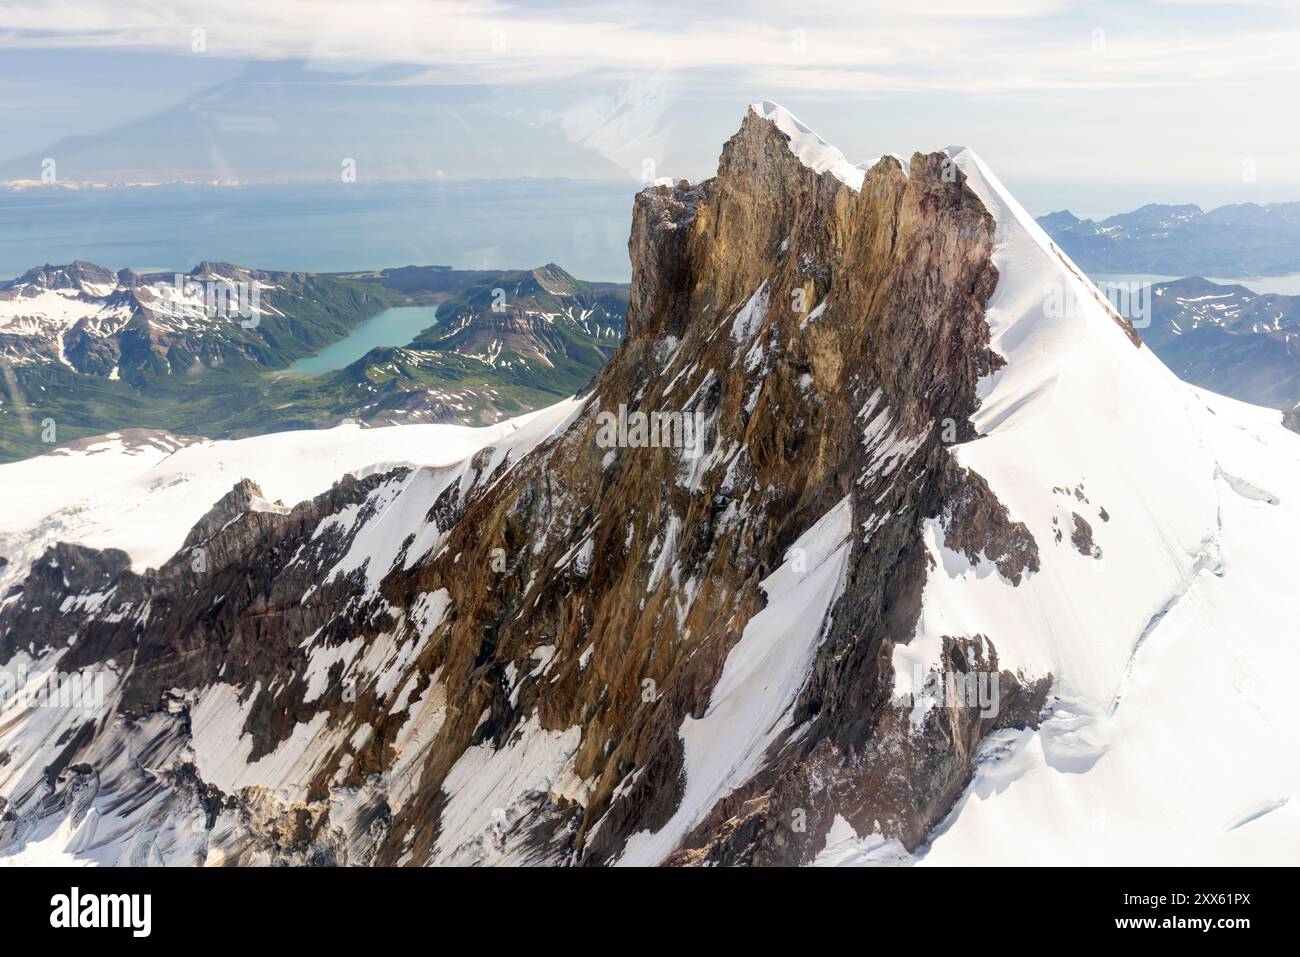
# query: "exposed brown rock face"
(825, 337)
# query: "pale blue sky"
(1096, 106)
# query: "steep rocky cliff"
(685, 644)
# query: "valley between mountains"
(211, 353)
(432, 644)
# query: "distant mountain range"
(1243, 239)
(88, 350)
(135, 327)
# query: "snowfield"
(143, 492)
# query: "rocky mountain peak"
(554, 279)
(823, 340)
(78, 276)
(694, 615)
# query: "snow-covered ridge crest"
(813, 151)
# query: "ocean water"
(326, 227)
(392, 327)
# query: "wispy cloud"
(1077, 89)
(992, 46)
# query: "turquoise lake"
(392, 327)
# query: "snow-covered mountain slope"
(1184, 755)
(943, 574)
(1169, 636)
(142, 491)
(149, 490)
